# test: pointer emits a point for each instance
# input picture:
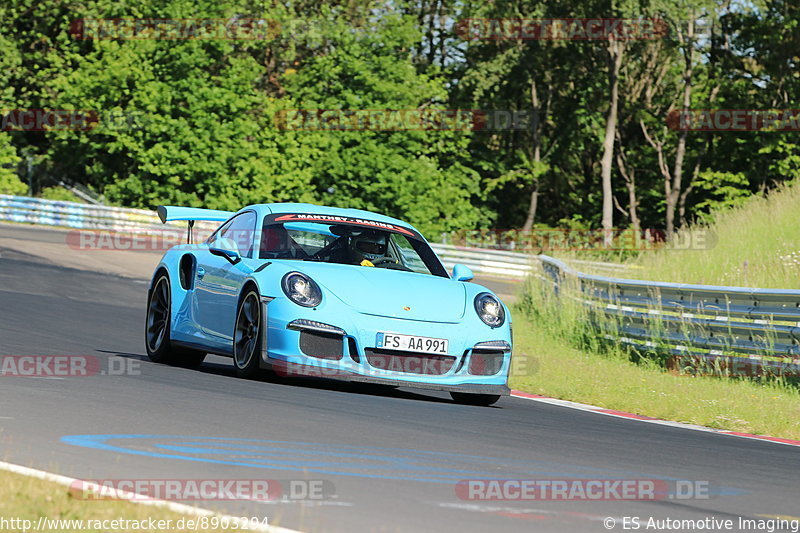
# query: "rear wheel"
(157, 329)
(247, 336)
(466, 398)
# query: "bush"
(9, 182)
(59, 194)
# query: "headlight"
(490, 310)
(301, 289)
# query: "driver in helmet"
(367, 247)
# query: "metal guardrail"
(73, 215)
(513, 265)
(760, 327)
(497, 263)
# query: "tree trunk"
(532, 208)
(615, 51)
(537, 158)
(673, 188)
(630, 184)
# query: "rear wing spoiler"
(168, 213)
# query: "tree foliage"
(195, 121)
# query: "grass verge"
(27, 498)
(754, 245)
(556, 357)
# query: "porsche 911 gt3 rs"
(326, 292)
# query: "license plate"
(411, 343)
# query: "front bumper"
(284, 351)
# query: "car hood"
(390, 293)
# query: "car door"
(219, 281)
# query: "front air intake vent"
(409, 362)
(486, 363)
(321, 345)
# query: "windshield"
(347, 244)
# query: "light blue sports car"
(306, 290)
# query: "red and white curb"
(649, 419)
(241, 523)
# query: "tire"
(157, 328)
(483, 400)
(247, 336)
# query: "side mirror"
(226, 248)
(462, 273)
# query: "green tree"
(421, 176)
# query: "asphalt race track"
(389, 458)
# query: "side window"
(408, 255)
(241, 230)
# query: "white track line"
(138, 498)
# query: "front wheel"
(157, 329)
(247, 336)
(483, 400)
